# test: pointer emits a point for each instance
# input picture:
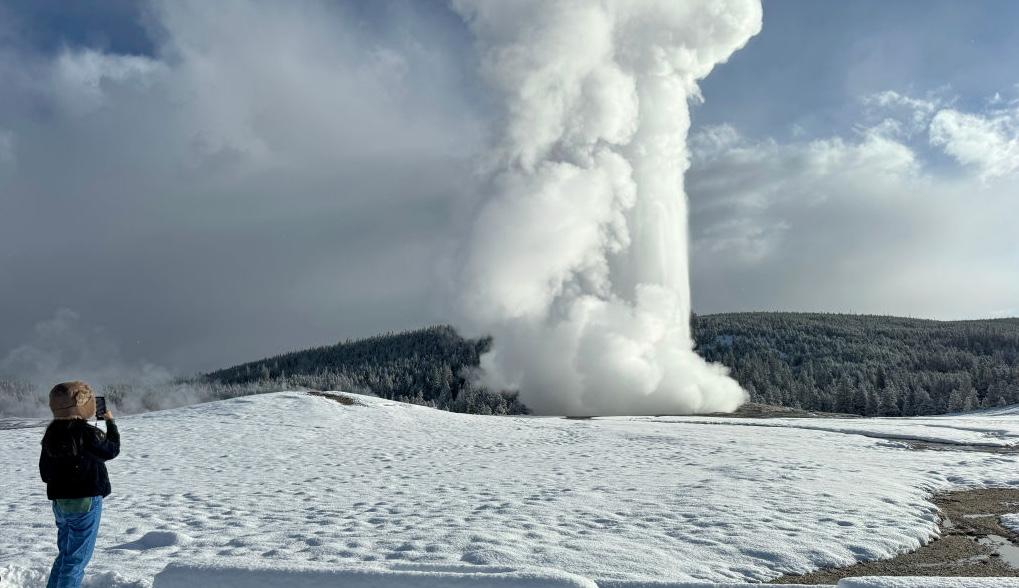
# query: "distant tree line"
(433, 367)
(866, 365)
(856, 364)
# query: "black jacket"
(73, 458)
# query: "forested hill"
(867, 365)
(426, 366)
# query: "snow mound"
(155, 540)
(924, 582)
(183, 575)
(20, 577)
(112, 580)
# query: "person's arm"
(106, 447)
(43, 470)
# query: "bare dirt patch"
(343, 399)
(972, 543)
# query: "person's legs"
(62, 531)
(76, 545)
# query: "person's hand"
(107, 416)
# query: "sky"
(184, 185)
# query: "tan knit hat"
(72, 400)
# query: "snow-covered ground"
(998, 428)
(290, 479)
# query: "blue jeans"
(76, 538)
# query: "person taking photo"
(73, 466)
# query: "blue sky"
(223, 181)
(115, 25)
(806, 72)
(814, 61)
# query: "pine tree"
(971, 401)
(956, 401)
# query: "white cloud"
(63, 348)
(856, 225)
(988, 143)
(80, 79)
(908, 115)
(738, 186)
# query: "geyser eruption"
(577, 262)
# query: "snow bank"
(924, 582)
(155, 540)
(20, 577)
(191, 575)
(1011, 522)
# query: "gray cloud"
(275, 176)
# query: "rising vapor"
(577, 262)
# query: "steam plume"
(577, 262)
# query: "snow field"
(291, 479)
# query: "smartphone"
(100, 407)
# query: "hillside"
(427, 366)
(865, 365)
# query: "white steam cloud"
(63, 348)
(577, 262)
